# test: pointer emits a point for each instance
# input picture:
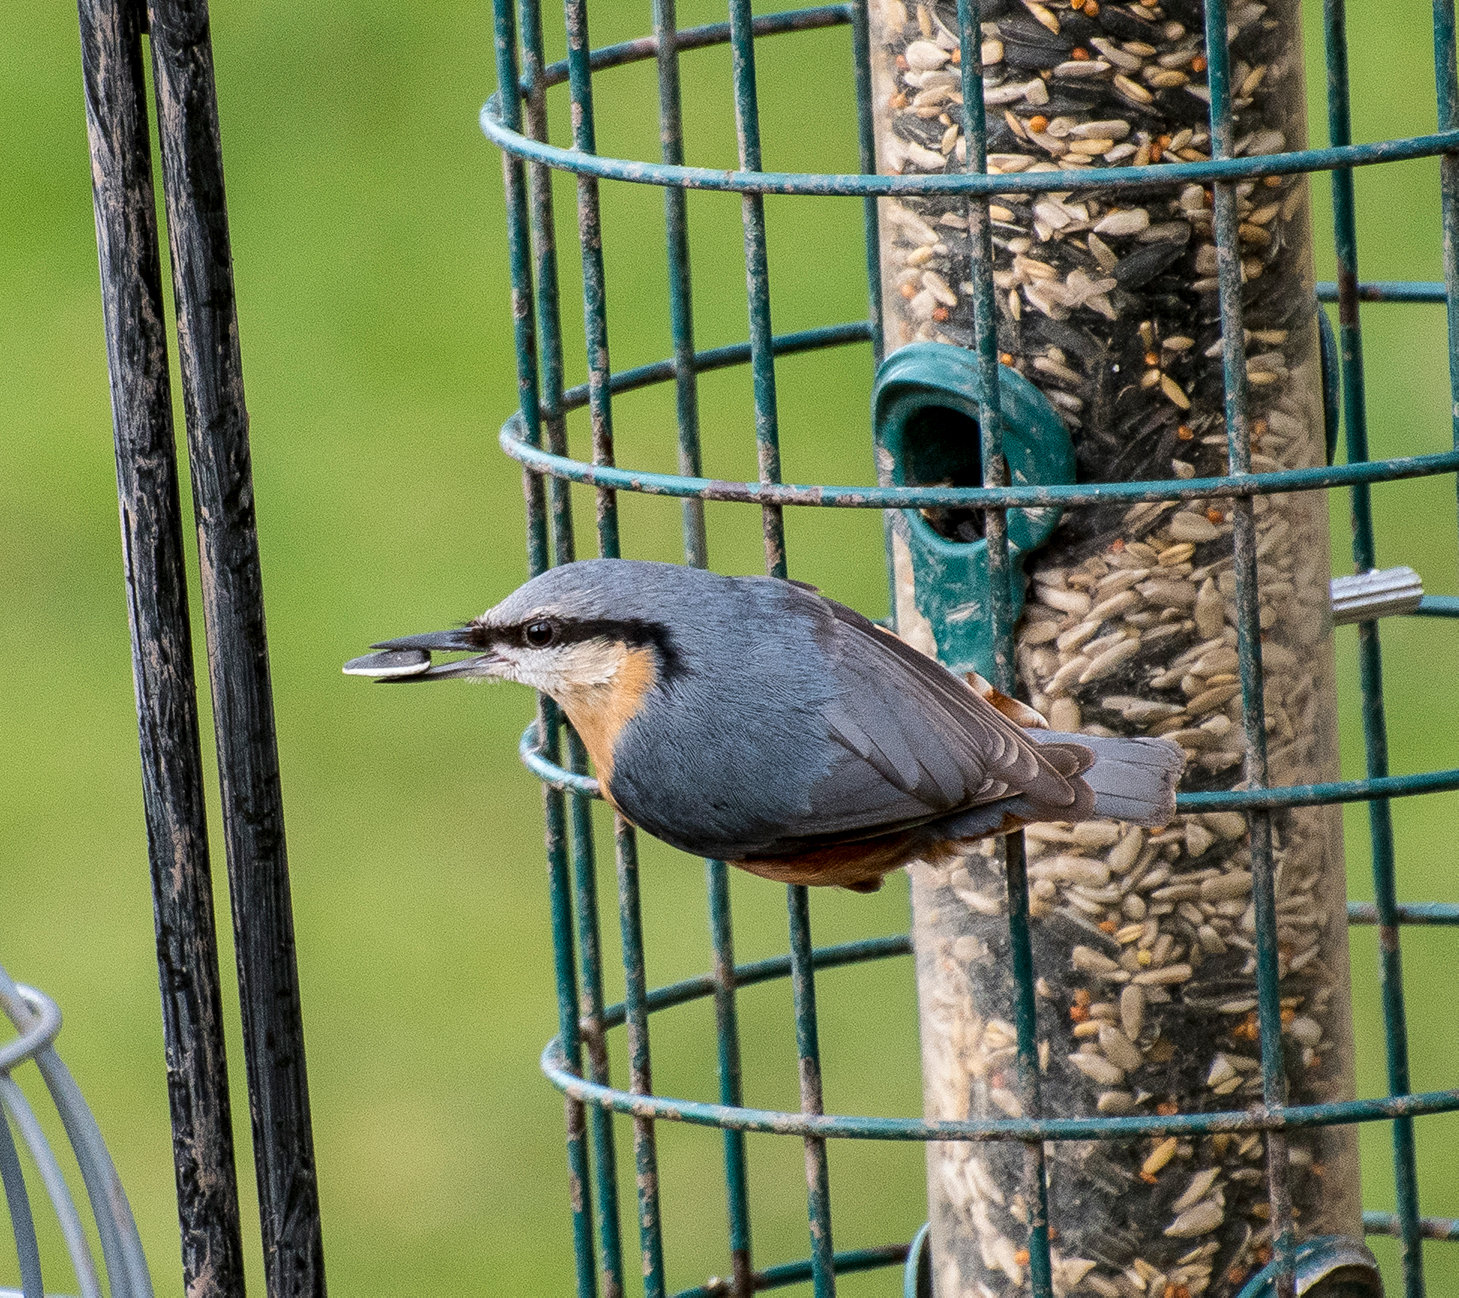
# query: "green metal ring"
(1160, 175)
(915, 1260)
(559, 777)
(659, 1108)
(859, 185)
(514, 441)
(701, 1113)
(785, 1274)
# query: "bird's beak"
(409, 658)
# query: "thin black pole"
(162, 670)
(232, 587)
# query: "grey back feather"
(793, 722)
(1133, 779)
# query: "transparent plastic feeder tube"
(1143, 940)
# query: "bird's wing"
(918, 742)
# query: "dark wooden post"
(232, 589)
(156, 582)
(238, 666)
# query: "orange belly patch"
(859, 866)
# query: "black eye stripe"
(634, 632)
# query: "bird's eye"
(539, 634)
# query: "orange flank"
(599, 712)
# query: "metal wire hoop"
(1025, 497)
(861, 185)
(37, 1019)
(839, 1126)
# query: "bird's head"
(579, 627)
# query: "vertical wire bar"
(1248, 631)
(595, 1035)
(564, 967)
(807, 1045)
(162, 663)
(1370, 656)
(640, 1073)
(866, 153)
(1446, 80)
(519, 261)
(985, 322)
(767, 445)
(757, 279)
(995, 474)
(233, 610)
(548, 722)
(27, 1247)
(727, 1037)
(583, 854)
(590, 233)
(595, 310)
(63, 1204)
(681, 314)
(696, 553)
(635, 1000)
(548, 297)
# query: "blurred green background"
(370, 263)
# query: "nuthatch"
(755, 721)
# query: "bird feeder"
(1174, 329)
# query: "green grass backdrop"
(370, 262)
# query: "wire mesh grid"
(576, 1060)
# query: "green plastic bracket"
(925, 418)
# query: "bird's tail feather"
(1133, 779)
(1068, 759)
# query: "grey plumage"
(1132, 779)
(782, 722)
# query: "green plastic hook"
(925, 416)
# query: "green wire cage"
(1105, 176)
